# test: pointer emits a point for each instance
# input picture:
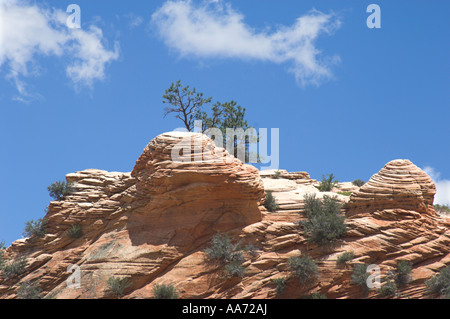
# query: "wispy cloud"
(442, 186)
(134, 21)
(28, 31)
(213, 29)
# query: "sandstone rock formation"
(400, 184)
(152, 225)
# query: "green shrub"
(345, 193)
(234, 269)
(440, 283)
(220, 248)
(28, 290)
(345, 257)
(277, 175)
(270, 203)
(281, 284)
(442, 208)
(358, 182)
(117, 286)
(15, 267)
(360, 275)
(317, 295)
(75, 231)
(2, 252)
(389, 289)
(35, 228)
(60, 189)
(324, 223)
(327, 183)
(164, 292)
(305, 269)
(403, 272)
(229, 254)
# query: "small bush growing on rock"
(235, 269)
(270, 203)
(60, 189)
(281, 284)
(316, 295)
(35, 228)
(15, 267)
(325, 222)
(360, 275)
(117, 286)
(358, 182)
(440, 283)
(442, 208)
(277, 175)
(2, 252)
(29, 290)
(345, 257)
(164, 292)
(220, 248)
(403, 272)
(223, 250)
(327, 183)
(75, 231)
(389, 289)
(305, 269)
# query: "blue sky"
(347, 99)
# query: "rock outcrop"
(399, 185)
(151, 226)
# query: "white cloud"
(134, 21)
(442, 196)
(28, 31)
(213, 29)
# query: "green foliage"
(317, 295)
(440, 283)
(187, 105)
(389, 289)
(60, 189)
(358, 182)
(229, 118)
(403, 272)
(164, 292)
(29, 290)
(442, 208)
(327, 183)
(360, 275)
(270, 203)
(15, 268)
(2, 252)
(305, 268)
(345, 193)
(35, 228)
(234, 268)
(324, 223)
(117, 286)
(75, 231)
(345, 257)
(281, 284)
(277, 175)
(184, 102)
(221, 249)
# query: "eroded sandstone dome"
(399, 184)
